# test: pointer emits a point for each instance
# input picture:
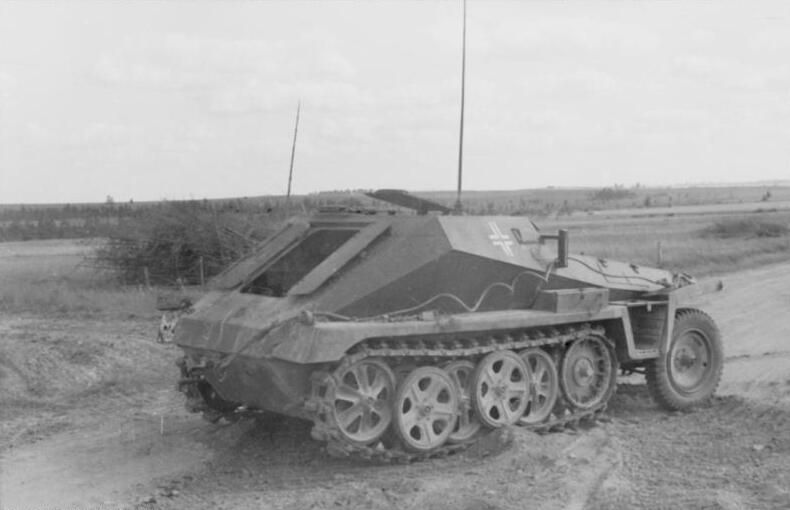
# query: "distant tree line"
(110, 219)
(73, 221)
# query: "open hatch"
(301, 257)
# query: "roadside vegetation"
(182, 243)
(53, 277)
(746, 228)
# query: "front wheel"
(688, 370)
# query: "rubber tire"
(658, 376)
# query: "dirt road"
(106, 446)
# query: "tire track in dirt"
(89, 468)
(753, 312)
(731, 454)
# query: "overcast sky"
(174, 99)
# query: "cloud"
(236, 76)
(520, 30)
(257, 94)
(180, 60)
(775, 39)
(8, 84)
(575, 82)
(121, 70)
(574, 34)
(724, 72)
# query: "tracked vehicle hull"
(408, 336)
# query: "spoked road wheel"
(544, 386)
(688, 370)
(425, 409)
(500, 387)
(588, 373)
(468, 424)
(361, 400)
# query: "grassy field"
(52, 277)
(685, 244)
(547, 201)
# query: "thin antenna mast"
(293, 153)
(458, 205)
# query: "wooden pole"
(202, 273)
(659, 253)
(293, 153)
(147, 276)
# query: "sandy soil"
(94, 436)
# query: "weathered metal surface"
(689, 293)
(416, 277)
(325, 342)
(404, 199)
(588, 299)
(270, 384)
(321, 342)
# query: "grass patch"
(683, 245)
(68, 298)
(746, 228)
(126, 383)
(51, 277)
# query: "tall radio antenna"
(458, 205)
(293, 153)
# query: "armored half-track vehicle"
(412, 334)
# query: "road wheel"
(425, 409)
(468, 424)
(544, 386)
(361, 400)
(688, 370)
(500, 388)
(589, 372)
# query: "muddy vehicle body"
(411, 334)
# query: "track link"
(436, 351)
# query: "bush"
(745, 228)
(610, 194)
(181, 242)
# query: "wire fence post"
(202, 273)
(147, 276)
(659, 253)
